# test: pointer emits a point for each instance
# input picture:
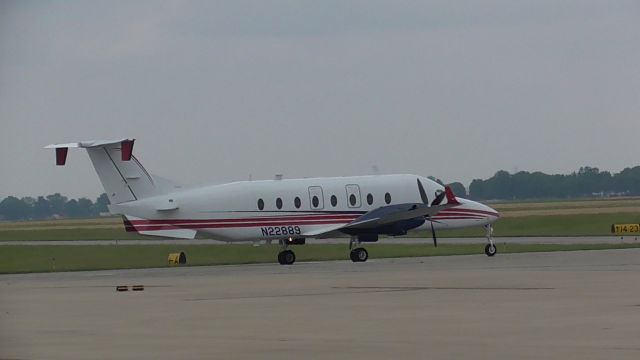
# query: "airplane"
(285, 210)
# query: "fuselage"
(276, 209)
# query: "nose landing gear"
(490, 249)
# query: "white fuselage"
(276, 209)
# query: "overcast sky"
(214, 91)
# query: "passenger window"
(260, 204)
(352, 200)
(297, 202)
(369, 199)
(315, 201)
(387, 198)
(279, 203)
(334, 200)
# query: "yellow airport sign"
(625, 228)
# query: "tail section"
(123, 177)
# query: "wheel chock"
(137, 288)
(178, 258)
(122, 288)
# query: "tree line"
(51, 206)
(586, 182)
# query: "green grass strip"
(46, 258)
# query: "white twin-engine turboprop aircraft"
(362, 207)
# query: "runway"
(560, 305)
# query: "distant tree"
(57, 203)
(86, 208)
(41, 208)
(628, 181)
(458, 189)
(71, 209)
(12, 208)
(100, 206)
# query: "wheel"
(286, 257)
(490, 250)
(359, 255)
(352, 255)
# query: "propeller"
(439, 197)
(436, 201)
(423, 194)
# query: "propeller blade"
(423, 194)
(438, 198)
(433, 233)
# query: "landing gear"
(490, 249)
(286, 256)
(358, 254)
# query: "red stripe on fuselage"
(150, 227)
(312, 217)
(468, 211)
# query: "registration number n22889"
(280, 230)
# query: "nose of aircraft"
(488, 214)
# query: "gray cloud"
(215, 91)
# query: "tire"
(288, 257)
(362, 255)
(352, 255)
(490, 250)
(359, 255)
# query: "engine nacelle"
(401, 227)
(368, 237)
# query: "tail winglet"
(451, 197)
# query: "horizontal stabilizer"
(126, 148)
(145, 227)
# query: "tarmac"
(560, 305)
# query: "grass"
(46, 258)
(70, 234)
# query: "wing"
(386, 216)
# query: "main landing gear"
(358, 254)
(490, 249)
(286, 256)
